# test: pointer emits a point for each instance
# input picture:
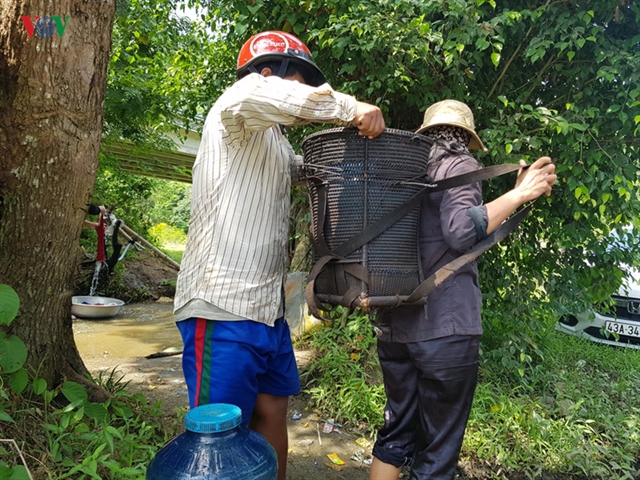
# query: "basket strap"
(444, 272)
(320, 244)
(375, 229)
(484, 173)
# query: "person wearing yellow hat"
(451, 119)
(429, 354)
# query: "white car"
(618, 326)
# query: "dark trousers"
(429, 387)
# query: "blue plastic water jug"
(215, 447)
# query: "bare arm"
(94, 225)
(531, 183)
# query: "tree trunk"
(52, 86)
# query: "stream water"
(141, 329)
(137, 330)
(94, 279)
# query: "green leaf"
(495, 58)
(579, 126)
(241, 28)
(571, 54)
(109, 439)
(9, 304)
(482, 44)
(74, 392)
(19, 381)
(5, 417)
(19, 472)
(39, 385)
(131, 471)
(97, 411)
(114, 431)
(13, 353)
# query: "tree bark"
(52, 88)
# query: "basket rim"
(349, 131)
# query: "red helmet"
(282, 47)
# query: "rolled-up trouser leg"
(429, 387)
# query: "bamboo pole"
(130, 233)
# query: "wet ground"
(136, 331)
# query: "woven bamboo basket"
(353, 183)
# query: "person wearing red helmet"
(280, 47)
(229, 303)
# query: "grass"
(169, 239)
(83, 440)
(344, 379)
(579, 414)
(174, 254)
(576, 412)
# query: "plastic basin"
(95, 307)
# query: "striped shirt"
(236, 256)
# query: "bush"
(343, 380)
(168, 236)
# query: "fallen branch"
(131, 234)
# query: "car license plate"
(623, 328)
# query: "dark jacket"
(450, 223)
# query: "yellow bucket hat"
(455, 113)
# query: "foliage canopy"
(558, 79)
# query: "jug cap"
(212, 418)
